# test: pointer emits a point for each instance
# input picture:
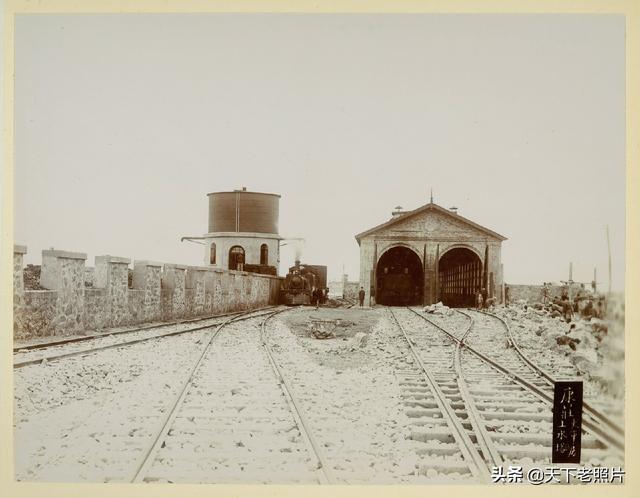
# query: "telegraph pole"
(609, 250)
(570, 282)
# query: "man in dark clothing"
(588, 310)
(361, 296)
(314, 297)
(480, 299)
(600, 309)
(507, 297)
(567, 309)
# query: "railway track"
(235, 420)
(557, 367)
(435, 401)
(486, 332)
(115, 332)
(474, 398)
(57, 350)
(508, 401)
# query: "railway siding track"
(118, 331)
(89, 417)
(326, 476)
(514, 400)
(606, 411)
(235, 420)
(434, 398)
(350, 393)
(522, 366)
(59, 350)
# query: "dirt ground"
(350, 329)
(348, 321)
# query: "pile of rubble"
(588, 342)
(438, 309)
(31, 276)
(322, 329)
(335, 303)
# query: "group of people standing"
(319, 296)
(483, 301)
(587, 305)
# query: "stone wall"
(161, 292)
(18, 287)
(528, 293)
(96, 309)
(533, 293)
(39, 316)
(351, 290)
(344, 289)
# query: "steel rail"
(593, 412)
(326, 476)
(591, 425)
(474, 460)
(150, 454)
(158, 325)
(489, 450)
(25, 363)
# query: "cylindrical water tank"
(242, 211)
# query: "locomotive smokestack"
(298, 244)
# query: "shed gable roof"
(423, 209)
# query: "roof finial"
(431, 195)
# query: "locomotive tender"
(300, 282)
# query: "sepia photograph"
(319, 249)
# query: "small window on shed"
(264, 254)
(212, 254)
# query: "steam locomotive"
(300, 282)
(397, 289)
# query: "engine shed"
(428, 255)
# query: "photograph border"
(629, 8)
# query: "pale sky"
(125, 122)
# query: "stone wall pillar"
(430, 262)
(147, 276)
(495, 266)
(367, 262)
(63, 271)
(112, 274)
(220, 291)
(174, 284)
(209, 291)
(195, 287)
(18, 286)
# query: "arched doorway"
(236, 258)
(399, 278)
(460, 277)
